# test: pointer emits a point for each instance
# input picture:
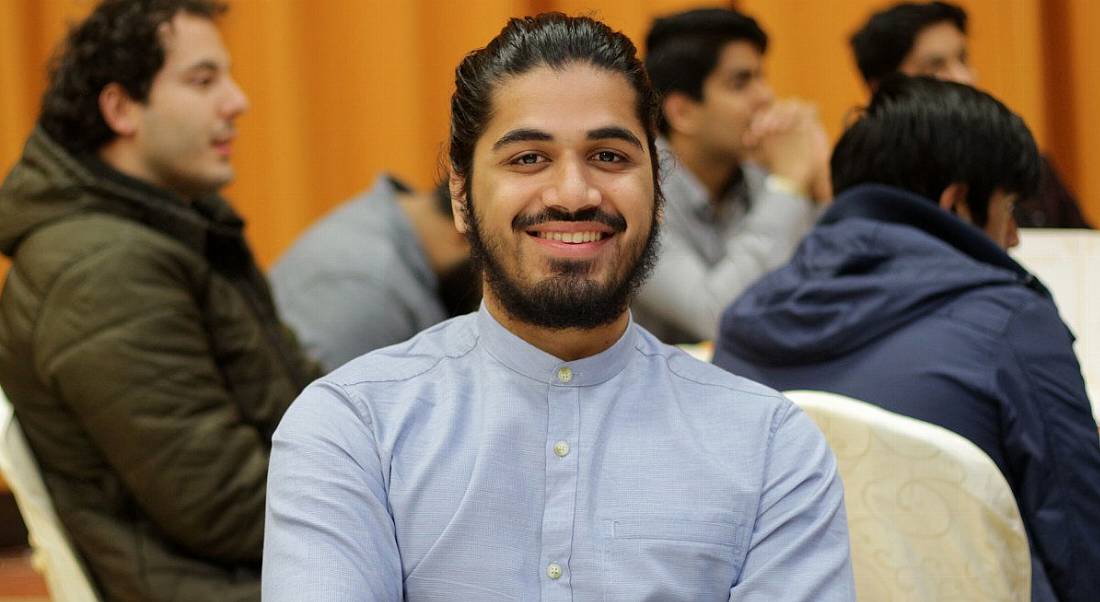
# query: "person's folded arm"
(340, 315)
(1053, 450)
(686, 292)
(122, 341)
(330, 536)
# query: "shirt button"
(561, 448)
(565, 374)
(553, 571)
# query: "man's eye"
(609, 157)
(527, 159)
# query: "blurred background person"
(931, 39)
(903, 296)
(375, 271)
(139, 343)
(740, 170)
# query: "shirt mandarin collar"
(534, 363)
(688, 189)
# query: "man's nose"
(572, 189)
(765, 96)
(236, 102)
(960, 72)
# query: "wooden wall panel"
(1084, 42)
(343, 89)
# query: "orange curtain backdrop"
(344, 89)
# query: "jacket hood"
(48, 183)
(44, 185)
(879, 259)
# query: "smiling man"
(546, 447)
(138, 341)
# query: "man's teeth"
(572, 237)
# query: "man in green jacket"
(138, 340)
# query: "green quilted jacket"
(148, 369)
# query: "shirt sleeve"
(1053, 450)
(799, 546)
(341, 315)
(690, 294)
(330, 536)
(125, 346)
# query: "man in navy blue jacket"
(903, 296)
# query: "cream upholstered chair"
(1066, 261)
(53, 556)
(929, 514)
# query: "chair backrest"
(54, 556)
(1066, 261)
(929, 514)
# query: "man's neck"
(713, 172)
(116, 157)
(567, 344)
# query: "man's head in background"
(554, 170)
(914, 39)
(707, 67)
(948, 142)
(145, 85)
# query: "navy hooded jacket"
(894, 301)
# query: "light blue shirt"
(466, 464)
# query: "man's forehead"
(192, 41)
(575, 99)
(939, 37)
(737, 57)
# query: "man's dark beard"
(569, 299)
(460, 289)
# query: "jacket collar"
(192, 223)
(882, 203)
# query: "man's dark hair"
(883, 43)
(551, 40)
(682, 50)
(922, 134)
(120, 42)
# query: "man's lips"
(571, 238)
(224, 144)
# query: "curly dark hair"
(119, 42)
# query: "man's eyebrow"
(522, 135)
(204, 65)
(615, 132)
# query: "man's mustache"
(593, 214)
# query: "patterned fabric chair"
(929, 514)
(54, 555)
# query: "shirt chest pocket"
(668, 558)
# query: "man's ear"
(458, 201)
(118, 110)
(680, 111)
(953, 200)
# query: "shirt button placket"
(563, 408)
